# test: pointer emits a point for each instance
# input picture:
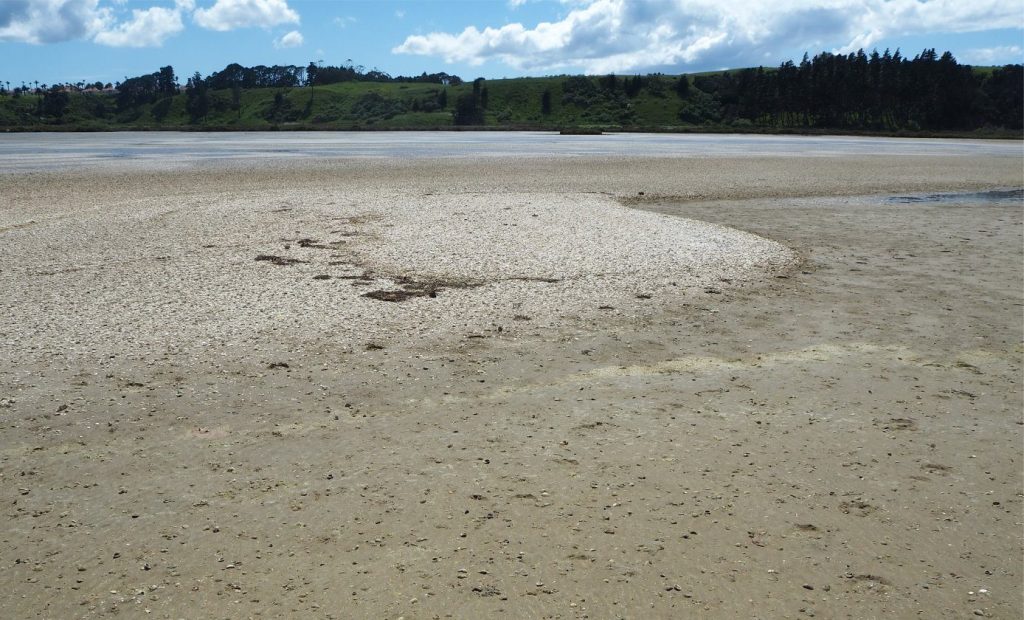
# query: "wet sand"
(836, 434)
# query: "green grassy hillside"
(772, 100)
(361, 105)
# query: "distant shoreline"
(997, 134)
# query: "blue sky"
(107, 40)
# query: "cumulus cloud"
(55, 21)
(50, 21)
(1001, 55)
(147, 28)
(620, 35)
(291, 39)
(232, 14)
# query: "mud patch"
(858, 507)
(412, 288)
(319, 245)
(935, 468)
(875, 583)
(399, 295)
(900, 424)
(533, 279)
(279, 260)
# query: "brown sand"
(841, 438)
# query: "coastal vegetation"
(885, 93)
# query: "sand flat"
(832, 427)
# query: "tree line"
(884, 92)
(868, 91)
(164, 84)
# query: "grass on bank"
(546, 103)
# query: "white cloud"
(147, 28)
(55, 21)
(50, 21)
(291, 39)
(620, 35)
(343, 22)
(232, 14)
(1002, 55)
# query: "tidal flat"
(744, 382)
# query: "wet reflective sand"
(170, 150)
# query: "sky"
(53, 41)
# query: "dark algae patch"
(411, 288)
(278, 260)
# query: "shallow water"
(27, 152)
(993, 197)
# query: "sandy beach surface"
(526, 387)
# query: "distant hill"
(877, 93)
